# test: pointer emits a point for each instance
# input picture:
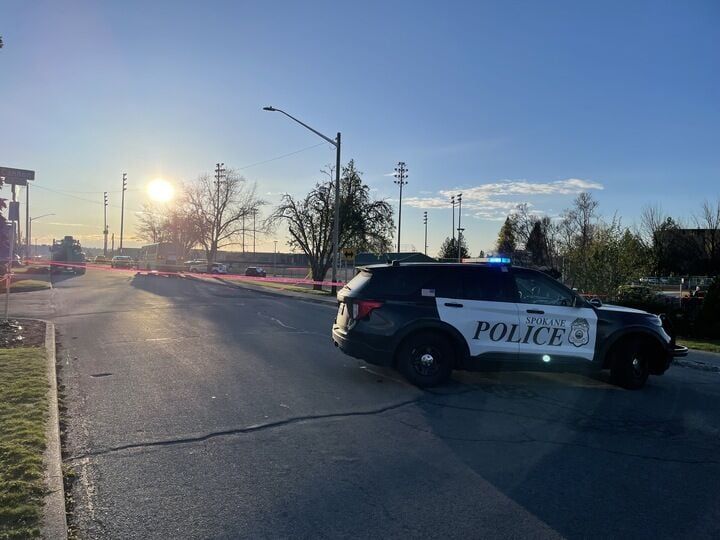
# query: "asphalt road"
(203, 411)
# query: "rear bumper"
(358, 348)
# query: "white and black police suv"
(426, 319)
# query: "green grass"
(287, 287)
(26, 285)
(23, 413)
(709, 345)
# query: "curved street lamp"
(29, 232)
(336, 228)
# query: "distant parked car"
(100, 259)
(255, 271)
(202, 267)
(194, 263)
(122, 261)
(197, 266)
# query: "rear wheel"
(631, 366)
(425, 359)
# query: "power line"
(280, 157)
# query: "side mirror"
(595, 302)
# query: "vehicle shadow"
(562, 453)
(585, 457)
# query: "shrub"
(708, 323)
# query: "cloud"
(496, 199)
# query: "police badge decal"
(579, 332)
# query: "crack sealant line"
(239, 431)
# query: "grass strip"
(23, 414)
(26, 285)
(707, 345)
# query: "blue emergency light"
(498, 260)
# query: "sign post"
(348, 257)
(8, 274)
(19, 177)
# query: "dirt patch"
(22, 333)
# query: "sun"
(160, 190)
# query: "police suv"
(426, 319)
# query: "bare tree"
(151, 225)
(365, 224)
(217, 209)
(523, 221)
(709, 221)
(172, 224)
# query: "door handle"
(453, 304)
(535, 311)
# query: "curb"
(263, 290)
(54, 522)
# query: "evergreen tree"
(449, 249)
(506, 238)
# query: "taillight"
(362, 308)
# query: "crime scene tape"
(180, 273)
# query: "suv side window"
(487, 283)
(535, 288)
(445, 282)
(402, 283)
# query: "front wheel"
(631, 366)
(425, 359)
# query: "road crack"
(241, 431)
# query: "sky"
(504, 102)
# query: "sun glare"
(160, 190)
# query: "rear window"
(358, 281)
(394, 283)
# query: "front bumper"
(679, 351)
(358, 348)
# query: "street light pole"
(460, 229)
(29, 226)
(336, 221)
(105, 227)
(400, 173)
(425, 222)
(452, 229)
(122, 210)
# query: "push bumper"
(679, 351)
(359, 348)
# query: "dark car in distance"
(255, 271)
(426, 319)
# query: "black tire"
(426, 359)
(631, 366)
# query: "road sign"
(349, 254)
(14, 211)
(18, 177)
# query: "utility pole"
(460, 229)
(122, 210)
(219, 173)
(105, 228)
(243, 233)
(275, 259)
(425, 222)
(401, 174)
(27, 220)
(254, 215)
(112, 248)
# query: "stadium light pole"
(336, 226)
